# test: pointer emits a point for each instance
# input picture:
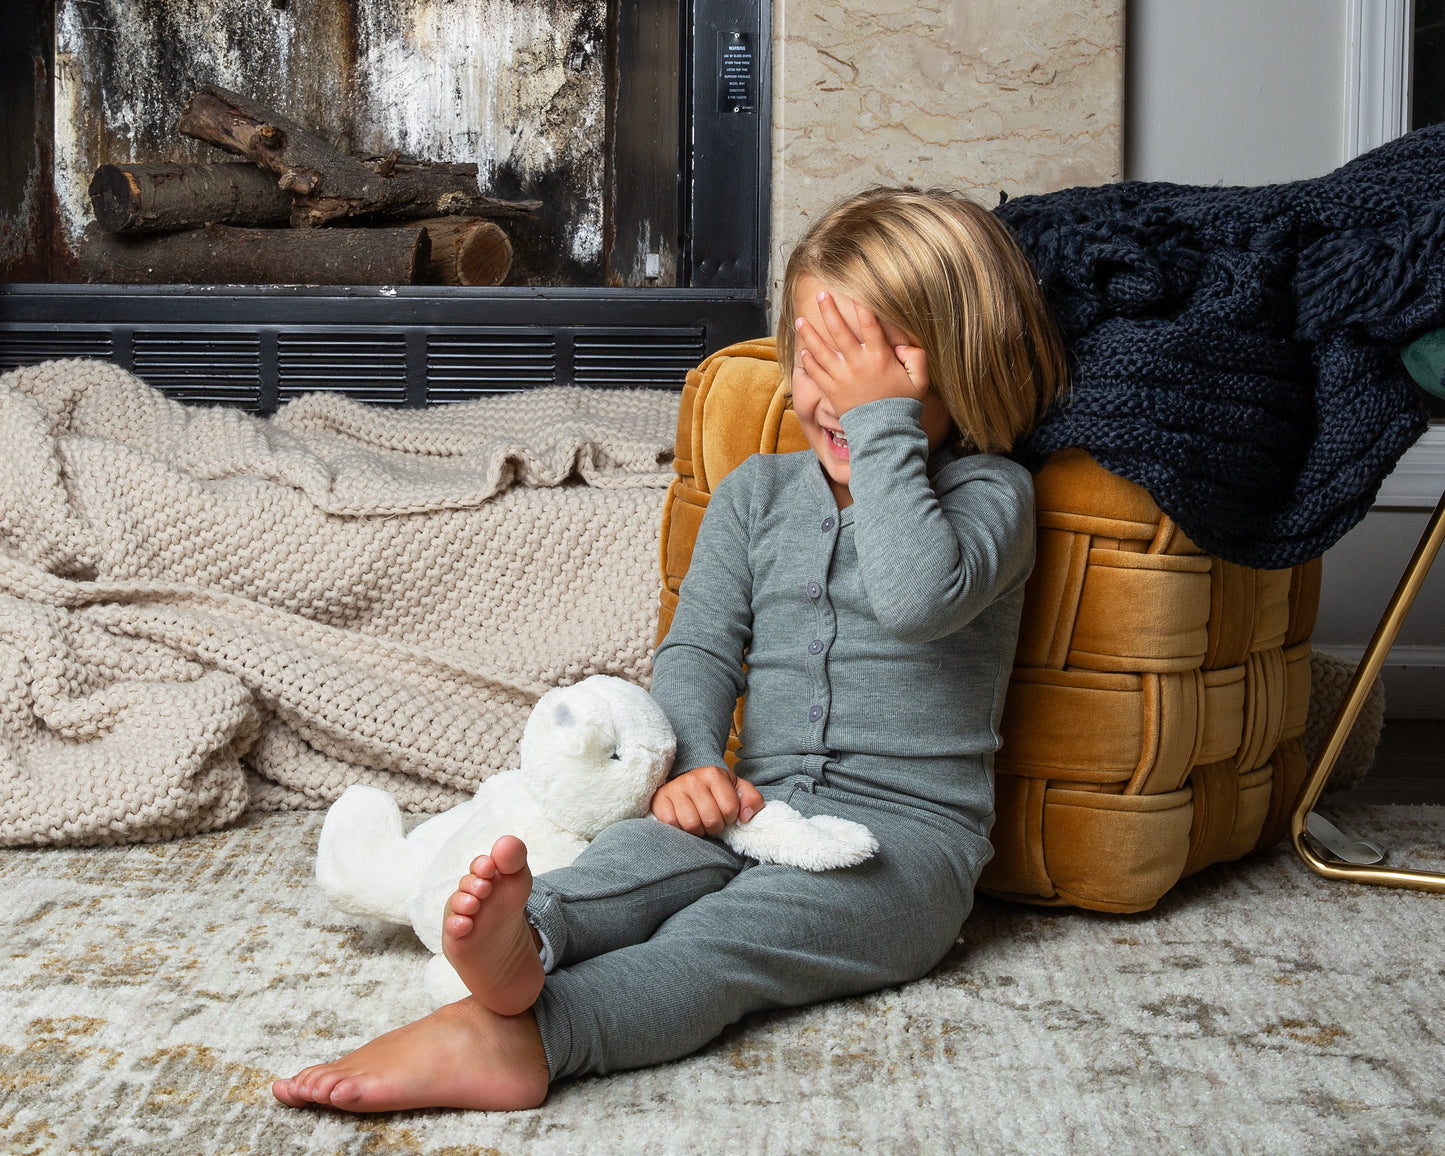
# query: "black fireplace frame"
(254, 346)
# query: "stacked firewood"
(295, 211)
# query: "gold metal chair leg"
(1355, 694)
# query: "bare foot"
(485, 933)
(460, 1056)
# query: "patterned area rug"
(151, 993)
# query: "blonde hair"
(947, 271)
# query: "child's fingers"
(800, 368)
(750, 800)
(915, 363)
(870, 329)
(670, 804)
(704, 800)
(724, 798)
(717, 799)
(705, 788)
(809, 365)
(686, 816)
(663, 810)
(812, 350)
(837, 325)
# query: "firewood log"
(225, 254)
(328, 185)
(158, 197)
(466, 251)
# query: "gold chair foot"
(1304, 825)
(1326, 835)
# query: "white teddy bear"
(592, 754)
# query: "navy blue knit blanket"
(1236, 351)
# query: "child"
(866, 595)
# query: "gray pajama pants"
(662, 939)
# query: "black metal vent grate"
(369, 366)
(204, 366)
(261, 349)
(639, 360)
(460, 366)
(30, 347)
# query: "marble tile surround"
(1023, 96)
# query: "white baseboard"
(1413, 676)
(1414, 672)
(1419, 476)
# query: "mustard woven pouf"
(1158, 696)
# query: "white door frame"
(1377, 73)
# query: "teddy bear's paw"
(362, 863)
(779, 834)
(441, 982)
(427, 910)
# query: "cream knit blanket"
(202, 610)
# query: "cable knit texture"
(1236, 351)
(201, 610)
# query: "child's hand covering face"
(845, 356)
(850, 354)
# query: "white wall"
(1239, 92)
(1258, 91)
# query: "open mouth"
(837, 441)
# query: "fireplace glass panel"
(647, 249)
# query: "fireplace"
(642, 128)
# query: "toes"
(464, 903)
(325, 1083)
(281, 1089)
(348, 1093)
(457, 926)
(296, 1086)
(509, 854)
(305, 1087)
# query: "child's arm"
(697, 671)
(933, 552)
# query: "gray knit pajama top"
(875, 642)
